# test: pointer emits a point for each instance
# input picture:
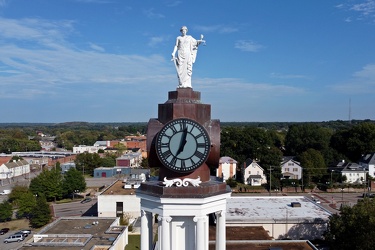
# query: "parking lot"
(13, 245)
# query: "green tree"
(108, 161)
(144, 163)
(301, 137)
(49, 184)
(5, 211)
(16, 194)
(41, 213)
(26, 203)
(73, 180)
(313, 165)
(241, 143)
(356, 141)
(353, 228)
(86, 162)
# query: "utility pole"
(270, 180)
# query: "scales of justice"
(183, 142)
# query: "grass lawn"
(134, 242)
(15, 224)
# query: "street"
(75, 208)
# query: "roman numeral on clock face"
(199, 154)
(166, 154)
(173, 161)
(183, 166)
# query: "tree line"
(315, 146)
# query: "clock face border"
(182, 145)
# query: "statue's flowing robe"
(187, 52)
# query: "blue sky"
(109, 60)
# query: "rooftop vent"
(294, 204)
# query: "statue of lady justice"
(187, 48)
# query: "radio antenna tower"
(350, 110)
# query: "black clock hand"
(182, 142)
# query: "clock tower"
(183, 142)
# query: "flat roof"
(252, 209)
(76, 233)
(117, 188)
(255, 238)
(266, 245)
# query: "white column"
(220, 231)
(146, 230)
(201, 241)
(164, 232)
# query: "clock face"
(182, 145)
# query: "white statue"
(187, 48)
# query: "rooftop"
(273, 209)
(117, 188)
(76, 233)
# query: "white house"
(227, 168)
(368, 162)
(253, 174)
(354, 173)
(14, 169)
(291, 169)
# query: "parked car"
(86, 200)
(5, 192)
(14, 238)
(4, 230)
(24, 232)
(368, 195)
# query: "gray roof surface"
(271, 209)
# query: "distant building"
(118, 171)
(368, 162)
(132, 160)
(40, 161)
(117, 200)
(227, 168)
(354, 173)
(253, 173)
(13, 169)
(291, 169)
(66, 166)
(89, 149)
(283, 217)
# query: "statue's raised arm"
(186, 47)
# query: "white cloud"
(35, 55)
(151, 14)
(365, 9)
(248, 45)
(240, 87)
(156, 40)
(97, 47)
(221, 29)
(363, 81)
(173, 3)
(288, 76)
